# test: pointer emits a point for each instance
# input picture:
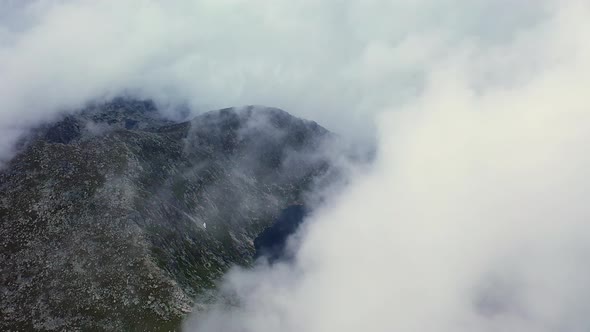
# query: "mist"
(337, 62)
(473, 216)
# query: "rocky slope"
(114, 219)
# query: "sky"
(473, 216)
(338, 62)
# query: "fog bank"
(473, 218)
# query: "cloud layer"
(338, 62)
(474, 216)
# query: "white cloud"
(473, 218)
(323, 60)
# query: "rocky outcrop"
(115, 219)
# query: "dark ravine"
(114, 219)
(272, 243)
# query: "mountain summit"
(114, 218)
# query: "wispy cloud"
(473, 217)
(338, 62)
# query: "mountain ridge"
(116, 219)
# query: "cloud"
(337, 62)
(473, 217)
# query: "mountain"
(272, 243)
(114, 218)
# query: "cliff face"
(115, 219)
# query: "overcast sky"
(336, 62)
(474, 216)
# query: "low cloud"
(473, 217)
(336, 62)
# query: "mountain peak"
(103, 212)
